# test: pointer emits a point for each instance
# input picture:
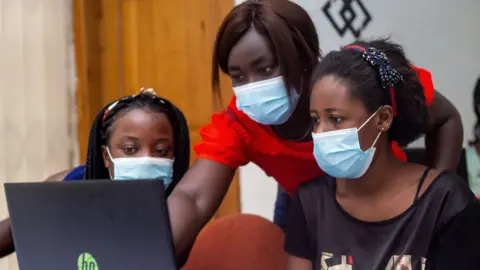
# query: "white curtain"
(37, 127)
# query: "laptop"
(91, 225)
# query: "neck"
(374, 181)
(299, 124)
(301, 113)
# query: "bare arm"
(6, 239)
(445, 138)
(297, 263)
(195, 199)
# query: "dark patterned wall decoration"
(349, 15)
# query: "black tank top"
(320, 230)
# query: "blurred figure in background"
(473, 150)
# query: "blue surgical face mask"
(140, 168)
(338, 153)
(266, 102)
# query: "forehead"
(141, 122)
(330, 92)
(250, 47)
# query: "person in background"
(269, 49)
(374, 211)
(472, 152)
(136, 137)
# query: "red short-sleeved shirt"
(233, 139)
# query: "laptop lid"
(91, 225)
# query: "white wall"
(257, 191)
(35, 132)
(439, 35)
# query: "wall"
(35, 94)
(445, 41)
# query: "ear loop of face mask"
(111, 159)
(368, 120)
(294, 97)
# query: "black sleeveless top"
(439, 231)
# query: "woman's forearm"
(444, 145)
(194, 201)
(444, 140)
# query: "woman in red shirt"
(269, 49)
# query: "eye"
(162, 152)
(266, 70)
(129, 150)
(237, 78)
(314, 120)
(336, 120)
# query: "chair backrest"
(419, 156)
(238, 242)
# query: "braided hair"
(476, 109)
(105, 119)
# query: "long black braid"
(101, 130)
(476, 109)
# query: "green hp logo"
(87, 262)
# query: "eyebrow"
(130, 138)
(260, 59)
(333, 110)
(163, 139)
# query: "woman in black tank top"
(374, 211)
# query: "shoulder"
(73, 174)
(449, 193)
(449, 183)
(76, 174)
(231, 124)
(227, 123)
(225, 126)
(224, 139)
(57, 177)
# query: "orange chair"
(238, 242)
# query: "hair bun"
(147, 91)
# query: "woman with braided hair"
(139, 137)
(371, 210)
(136, 137)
